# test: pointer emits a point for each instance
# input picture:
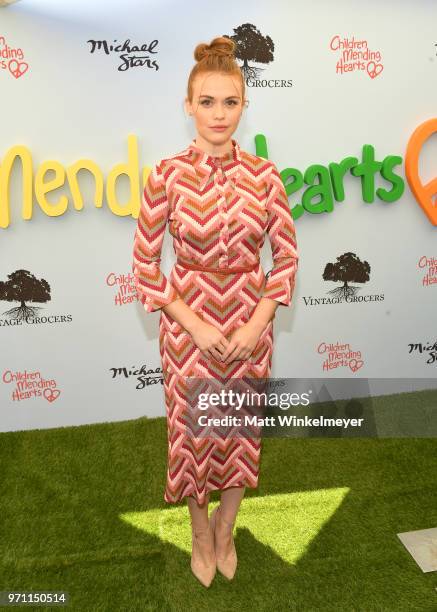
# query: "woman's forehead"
(217, 85)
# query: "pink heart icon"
(374, 69)
(355, 365)
(51, 394)
(17, 69)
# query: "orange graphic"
(424, 194)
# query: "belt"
(230, 270)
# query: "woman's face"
(217, 100)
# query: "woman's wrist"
(193, 323)
(264, 312)
(183, 314)
(257, 324)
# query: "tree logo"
(22, 286)
(348, 269)
(252, 46)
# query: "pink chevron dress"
(218, 211)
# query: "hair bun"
(221, 46)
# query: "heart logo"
(355, 365)
(17, 69)
(374, 69)
(51, 394)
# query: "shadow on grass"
(64, 493)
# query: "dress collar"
(205, 164)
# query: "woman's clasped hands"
(213, 343)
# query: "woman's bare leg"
(201, 531)
(230, 502)
(229, 505)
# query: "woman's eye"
(206, 102)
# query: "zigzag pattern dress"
(218, 211)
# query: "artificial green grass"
(82, 510)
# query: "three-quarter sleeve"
(280, 280)
(153, 287)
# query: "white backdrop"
(76, 359)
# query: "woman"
(217, 305)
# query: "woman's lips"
(219, 129)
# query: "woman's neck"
(214, 151)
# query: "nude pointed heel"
(227, 566)
(204, 573)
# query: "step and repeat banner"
(343, 98)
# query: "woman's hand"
(243, 341)
(209, 339)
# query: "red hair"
(218, 56)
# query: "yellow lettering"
(42, 187)
(5, 174)
(130, 169)
(72, 172)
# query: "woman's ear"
(187, 106)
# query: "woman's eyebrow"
(212, 97)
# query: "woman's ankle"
(203, 535)
(226, 522)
